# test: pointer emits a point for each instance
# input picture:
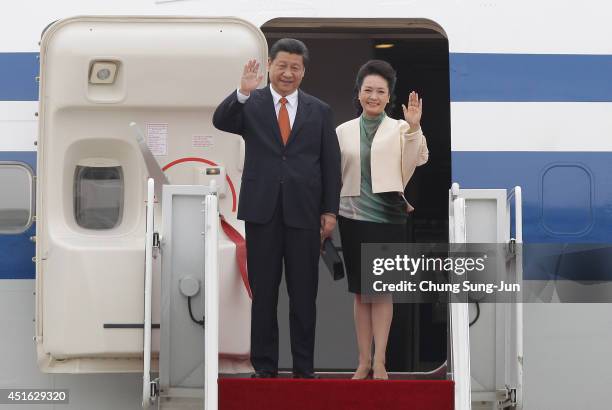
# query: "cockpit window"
(16, 197)
(98, 197)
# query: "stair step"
(323, 394)
(335, 394)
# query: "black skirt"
(353, 233)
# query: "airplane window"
(98, 196)
(16, 199)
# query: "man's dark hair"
(292, 46)
(376, 67)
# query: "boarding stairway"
(477, 375)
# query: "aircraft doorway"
(418, 50)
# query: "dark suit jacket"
(307, 168)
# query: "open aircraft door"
(99, 75)
(487, 338)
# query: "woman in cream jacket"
(379, 156)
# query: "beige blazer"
(395, 155)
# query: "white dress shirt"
(292, 102)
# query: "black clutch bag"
(332, 259)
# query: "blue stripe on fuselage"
(530, 77)
(18, 72)
(566, 195)
(473, 77)
(567, 199)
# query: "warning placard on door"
(157, 138)
(202, 141)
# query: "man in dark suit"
(288, 198)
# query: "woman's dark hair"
(376, 67)
(292, 46)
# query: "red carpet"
(335, 394)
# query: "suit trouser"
(268, 245)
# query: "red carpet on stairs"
(335, 394)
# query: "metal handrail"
(147, 398)
(459, 314)
(517, 194)
(211, 296)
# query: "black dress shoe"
(264, 374)
(297, 375)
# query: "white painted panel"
(18, 125)
(17, 348)
(18, 353)
(18, 135)
(520, 26)
(18, 110)
(524, 126)
(101, 391)
(567, 355)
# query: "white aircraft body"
(516, 94)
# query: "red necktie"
(283, 121)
